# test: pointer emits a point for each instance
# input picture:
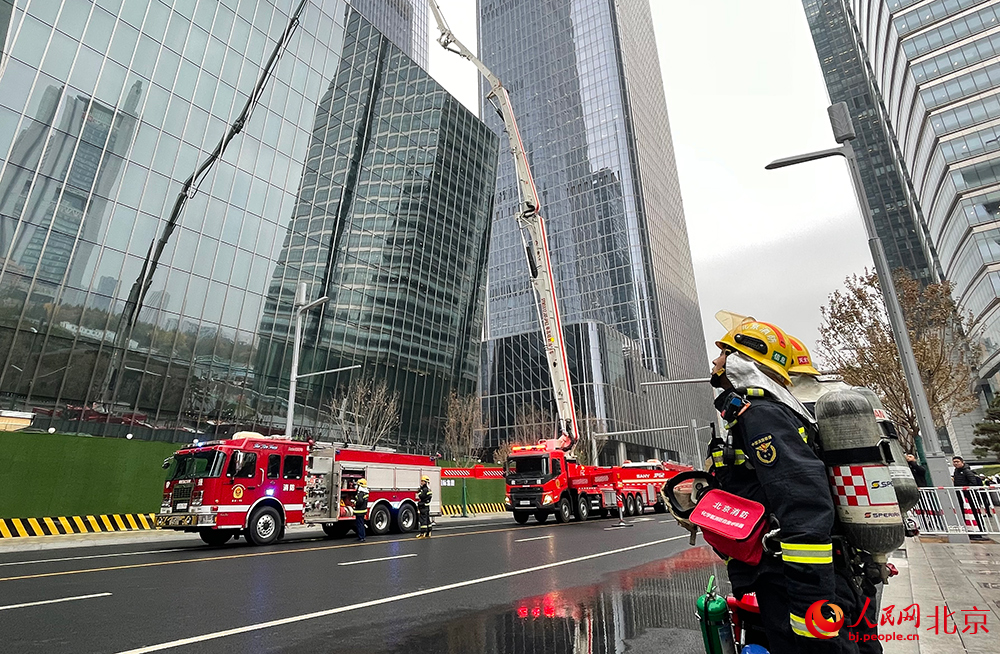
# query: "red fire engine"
(543, 479)
(255, 486)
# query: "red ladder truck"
(543, 479)
(253, 485)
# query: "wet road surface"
(503, 588)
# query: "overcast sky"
(743, 87)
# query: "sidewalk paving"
(942, 577)
(145, 536)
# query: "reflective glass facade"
(588, 95)
(404, 22)
(356, 174)
(898, 220)
(933, 67)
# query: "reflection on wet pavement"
(652, 605)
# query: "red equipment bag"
(733, 525)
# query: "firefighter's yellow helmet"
(425, 478)
(363, 482)
(801, 361)
(762, 342)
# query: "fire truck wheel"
(265, 526)
(335, 530)
(541, 516)
(406, 518)
(379, 520)
(629, 506)
(563, 510)
(582, 508)
(640, 506)
(521, 517)
(216, 536)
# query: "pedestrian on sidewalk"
(360, 509)
(964, 477)
(424, 497)
(919, 473)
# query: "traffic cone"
(970, 520)
(621, 512)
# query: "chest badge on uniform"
(764, 449)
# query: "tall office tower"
(898, 221)
(392, 224)
(404, 22)
(355, 173)
(934, 67)
(586, 88)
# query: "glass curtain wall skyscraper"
(355, 173)
(898, 221)
(586, 88)
(934, 67)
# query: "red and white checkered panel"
(849, 485)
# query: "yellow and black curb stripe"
(77, 524)
(488, 507)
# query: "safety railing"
(951, 510)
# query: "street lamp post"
(300, 307)
(843, 132)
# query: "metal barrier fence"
(950, 510)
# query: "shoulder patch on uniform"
(764, 450)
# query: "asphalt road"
(500, 587)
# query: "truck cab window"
(556, 468)
(273, 466)
(247, 462)
(293, 467)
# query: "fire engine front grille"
(182, 493)
(525, 497)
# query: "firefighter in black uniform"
(768, 458)
(424, 496)
(360, 508)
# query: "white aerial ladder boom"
(533, 235)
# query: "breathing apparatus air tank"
(859, 477)
(903, 483)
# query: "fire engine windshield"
(528, 465)
(194, 465)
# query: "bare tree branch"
(366, 413)
(463, 427)
(531, 425)
(856, 341)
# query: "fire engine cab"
(542, 480)
(255, 486)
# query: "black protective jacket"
(919, 474)
(424, 497)
(965, 477)
(771, 461)
(361, 501)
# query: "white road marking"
(524, 540)
(663, 522)
(384, 558)
(387, 600)
(643, 520)
(53, 601)
(98, 556)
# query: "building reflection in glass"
(392, 224)
(597, 619)
(105, 108)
